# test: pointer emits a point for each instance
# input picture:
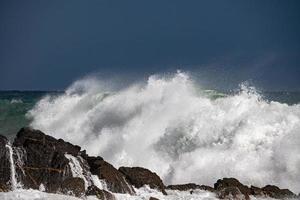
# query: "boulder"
(114, 179)
(5, 170)
(277, 193)
(100, 194)
(234, 186)
(73, 186)
(43, 160)
(139, 177)
(189, 187)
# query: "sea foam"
(167, 125)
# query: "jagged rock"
(44, 161)
(73, 186)
(114, 179)
(139, 177)
(5, 163)
(277, 193)
(100, 194)
(231, 183)
(190, 186)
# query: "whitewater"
(170, 126)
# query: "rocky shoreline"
(38, 161)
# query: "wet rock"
(277, 193)
(153, 198)
(114, 179)
(73, 186)
(139, 177)
(5, 163)
(256, 191)
(100, 194)
(3, 188)
(44, 160)
(232, 193)
(190, 186)
(234, 186)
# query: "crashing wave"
(170, 127)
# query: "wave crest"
(170, 127)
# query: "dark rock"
(190, 186)
(232, 193)
(28, 136)
(153, 198)
(3, 188)
(100, 194)
(114, 179)
(139, 177)
(221, 185)
(5, 163)
(73, 186)
(256, 191)
(277, 193)
(44, 160)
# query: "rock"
(277, 193)
(139, 177)
(44, 160)
(3, 188)
(100, 194)
(232, 193)
(190, 186)
(73, 186)
(114, 179)
(153, 198)
(5, 163)
(231, 183)
(256, 191)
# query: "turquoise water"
(15, 104)
(13, 108)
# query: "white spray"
(168, 126)
(13, 178)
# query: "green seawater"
(13, 108)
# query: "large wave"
(170, 127)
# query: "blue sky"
(46, 45)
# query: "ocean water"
(14, 105)
(13, 108)
(172, 126)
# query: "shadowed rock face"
(234, 187)
(139, 177)
(5, 164)
(73, 186)
(115, 180)
(190, 187)
(277, 193)
(231, 186)
(100, 194)
(44, 160)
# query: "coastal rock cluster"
(38, 161)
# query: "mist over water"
(170, 126)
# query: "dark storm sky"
(46, 45)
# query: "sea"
(13, 108)
(172, 126)
(14, 105)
